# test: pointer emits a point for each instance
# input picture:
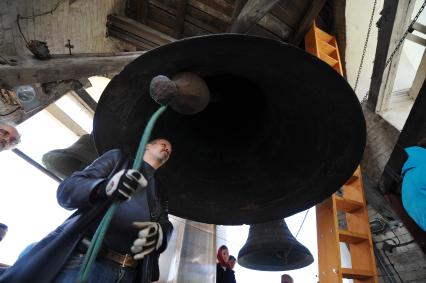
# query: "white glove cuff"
(160, 237)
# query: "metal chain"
(365, 45)
(409, 28)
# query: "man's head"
(231, 261)
(3, 231)
(286, 279)
(157, 152)
(9, 136)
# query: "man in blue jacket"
(414, 183)
(129, 252)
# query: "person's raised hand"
(124, 183)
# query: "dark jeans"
(103, 271)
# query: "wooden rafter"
(239, 4)
(252, 12)
(142, 11)
(180, 17)
(306, 22)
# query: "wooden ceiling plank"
(277, 27)
(307, 20)
(180, 17)
(142, 11)
(209, 20)
(141, 30)
(287, 12)
(217, 13)
(252, 12)
(219, 5)
(165, 14)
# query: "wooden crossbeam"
(180, 17)
(63, 67)
(252, 12)
(306, 22)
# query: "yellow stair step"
(351, 237)
(347, 205)
(326, 47)
(329, 60)
(358, 274)
(352, 179)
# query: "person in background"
(9, 136)
(3, 232)
(285, 278)
(222, 264)
(414, 183)
(230, 273)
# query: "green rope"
(98, 237)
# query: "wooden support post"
(419, 78)
(395, 18)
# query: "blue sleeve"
(74, 192)
(416, 156)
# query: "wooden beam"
(252, 12)
(63, 67)
(81, 97)
(417, 39)
(419, 78)
(66, 120)
(239, 4)
(307, 21)
(180, 17)
(136, 33)
(142, 11)
(394, 20)
(419, 27)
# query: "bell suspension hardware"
(353, 206)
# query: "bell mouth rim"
(246, 262)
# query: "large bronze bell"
(64, 162)
(270, 246)
(282, 130)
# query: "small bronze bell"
(63, 162)
(270, 246)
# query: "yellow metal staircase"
(351, 203)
